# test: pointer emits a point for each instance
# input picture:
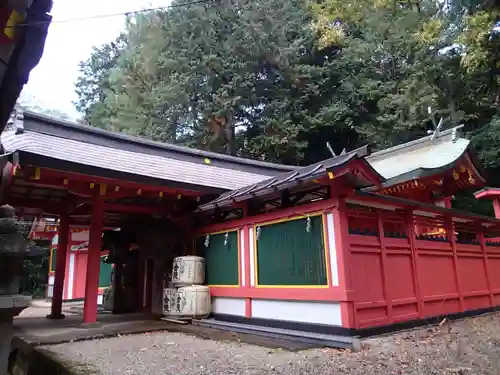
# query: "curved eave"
(422, 172)
(413, 175)
(431, 154)
(333, 168)
(367, 175)
(487, 193)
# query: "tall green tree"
(275, 80)
(93, 84)
(240, 77)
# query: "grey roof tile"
(127, 161)
(65, 129)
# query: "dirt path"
(470, 346)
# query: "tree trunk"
(230, 136)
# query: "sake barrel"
(188, 270)
(108, 298)
(168, 300)
(192, 302)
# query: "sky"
(52, 82)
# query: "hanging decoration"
(308, 224)
(258, 233)
(226, 237)
(207, 240)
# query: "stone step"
(334, 341)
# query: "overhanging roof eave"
(34, 122)
(48, 162)
(427, 172)
(286, 181)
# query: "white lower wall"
(298, 311)
(71, 276)
(50, 287)
(229, 306)
(332, 246)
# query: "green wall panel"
(53, 260)
(221, 260)
(287, 254)
(105, 271)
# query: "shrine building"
(357, 242)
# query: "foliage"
(34, 277)
(277, 79)
(93, 85)
(240, 77)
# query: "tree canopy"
(276, 79)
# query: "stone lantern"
(12, 254)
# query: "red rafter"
(57, 178)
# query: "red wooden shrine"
(390, 246)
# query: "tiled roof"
(70, 130)
(285, 180)
(426, 155)
(81, 145)
(128, 162)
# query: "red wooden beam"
(366, 171)
(112, 183)
(291, 212)
(489, 193)
(89, 189)
(410, 204)
(79, 188)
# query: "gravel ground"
(470, 346)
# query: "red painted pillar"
(385, 268)
(412, 236)
(450, 231)
(60, 271)
(343, 252)
(93, 260)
